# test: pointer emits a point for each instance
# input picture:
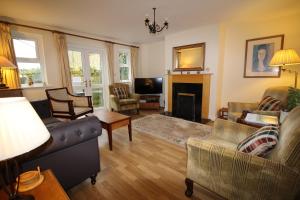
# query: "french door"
(86, 66)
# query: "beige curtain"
(10, 76)
(134, 63)
(110, 58)
(61, 45)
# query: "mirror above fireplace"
(189, 57)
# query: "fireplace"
(200, 101)
(187, 101)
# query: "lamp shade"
(21, 129)
(285, 57)
(5, 63)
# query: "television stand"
(150, 102)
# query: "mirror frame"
(176, 68)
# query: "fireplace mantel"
(204, 79)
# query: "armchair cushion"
(121, 92)
(261, 142)
(127, 101)
(269, 103)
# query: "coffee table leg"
(129, 130)
(109, 132)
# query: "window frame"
(40, 58)
(128, 65)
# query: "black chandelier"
(155, 28)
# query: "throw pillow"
(261, 142)
(121, 93)
(293, 98)
(269, 103)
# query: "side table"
(242, 120)
(50, 189)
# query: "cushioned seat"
(127, 101)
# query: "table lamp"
(4, 64)
(21, 130)
(285, 58)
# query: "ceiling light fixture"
(155, 28)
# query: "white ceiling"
(124, 19)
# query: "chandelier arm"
(162, 28)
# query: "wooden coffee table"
(113, 120)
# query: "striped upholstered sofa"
(235, 109)
(214, 163)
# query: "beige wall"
(209, 34)
(152, 60)
(234, 86)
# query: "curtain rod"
(71, 34)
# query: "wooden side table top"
(50, 189)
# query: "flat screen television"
(148, 85)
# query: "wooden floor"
(146, 168)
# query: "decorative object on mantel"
(284, 58)
(19, 125)
(154, 27)
(189, 57)
(4, 64)
(258, 54)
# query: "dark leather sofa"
(73, 153)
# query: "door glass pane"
(96, 79)
(75, 61)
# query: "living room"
(143, 150)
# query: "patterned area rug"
(172, 129)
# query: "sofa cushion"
(261, 142)
(269, 103)
(121, 92)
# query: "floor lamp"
(284, 58)
(21, 131)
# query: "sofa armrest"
(240, 107)
(72, 133)
(231, 131)
(234, 174)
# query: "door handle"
(90, 83)
(85, 83)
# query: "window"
(124, 66)
(29, 54)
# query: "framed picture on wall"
(259, 52)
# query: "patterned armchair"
(235, 109)
(65, 105)
(132, 102)
(214, 163)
